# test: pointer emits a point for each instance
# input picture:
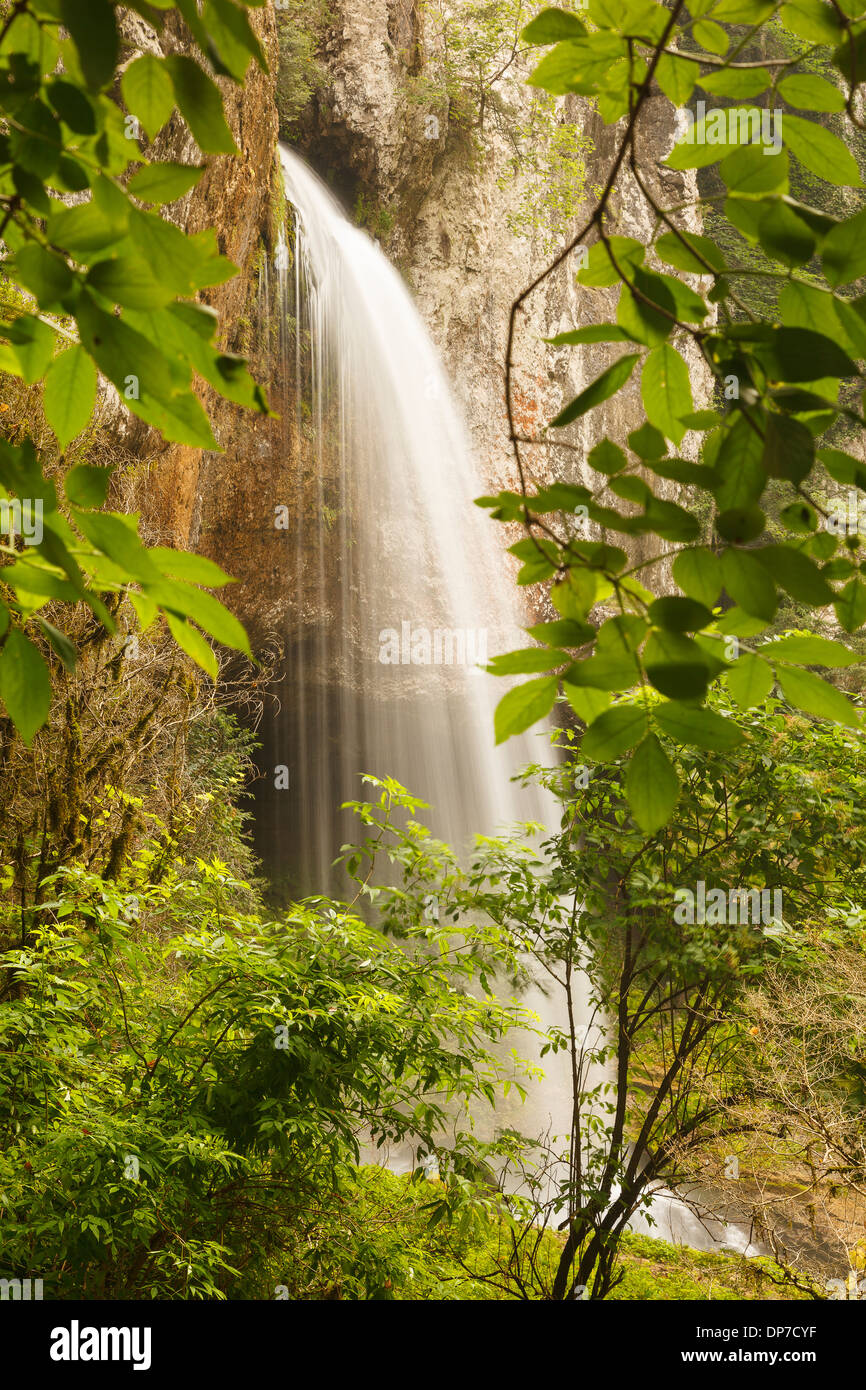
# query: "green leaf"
(587, 702)
(125, 355)
(789, 449)
(523, 706)
(698, 572)
(650, 312)
(164, 183)
(32, 191)
(783, 234)
(36, 139)
(683, 471)
(92, 26)
(86, 486)
(798, 354)
(811, 93)
(648, 443)
(850, 605)
(33, 345)
(612, 671)
(736, 623)
(740, 473)
(699, 728)
(751, 170)
(821, 151)
(810, 651)
(600, 390)
(593, 333)
(677, 614)
(85, 229)
(666, 390)
(690, 252)
(671, 521)
(25, 684)
(128, 280)
(116, 536)
(563, 633)
(676, 77)
(739, 525)
(652, 787)
(72, 106)
(843, 250)
(749, 584)
(843, 468)
(799, 517)
(676, 665)
(190, 640)
(614, 732)
(806, 306)
(695, 151)
(528, 659)
(809, 692)
(578, 65)
(172, 258)
(148, 92)
(607, 457)
(552, 25)
(60, 644)
(70, 393)
(187, 602)
(733, 82)
(44, 274)
(200, 103)
(185, 564)
(749, 681)
(600, 271)
(232, 38)
(711, 36)
(812, 20)
(27, 577)
(795, 573)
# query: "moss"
(401, 1254)
(374, 218)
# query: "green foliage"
(389, 1249)
(301, 25)
(477, 49)
(779, 810)
(788, 369)
(178, 1066)
(377, 220)
(107, 287)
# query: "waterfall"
(401, 584)
(400, 588)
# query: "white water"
(389, 460)
(390, 537)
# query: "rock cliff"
(440, 189)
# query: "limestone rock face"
(222, 504)
(448, 198)
(441, 198)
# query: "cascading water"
(400, 589)
(403, 586)
(400, 584)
